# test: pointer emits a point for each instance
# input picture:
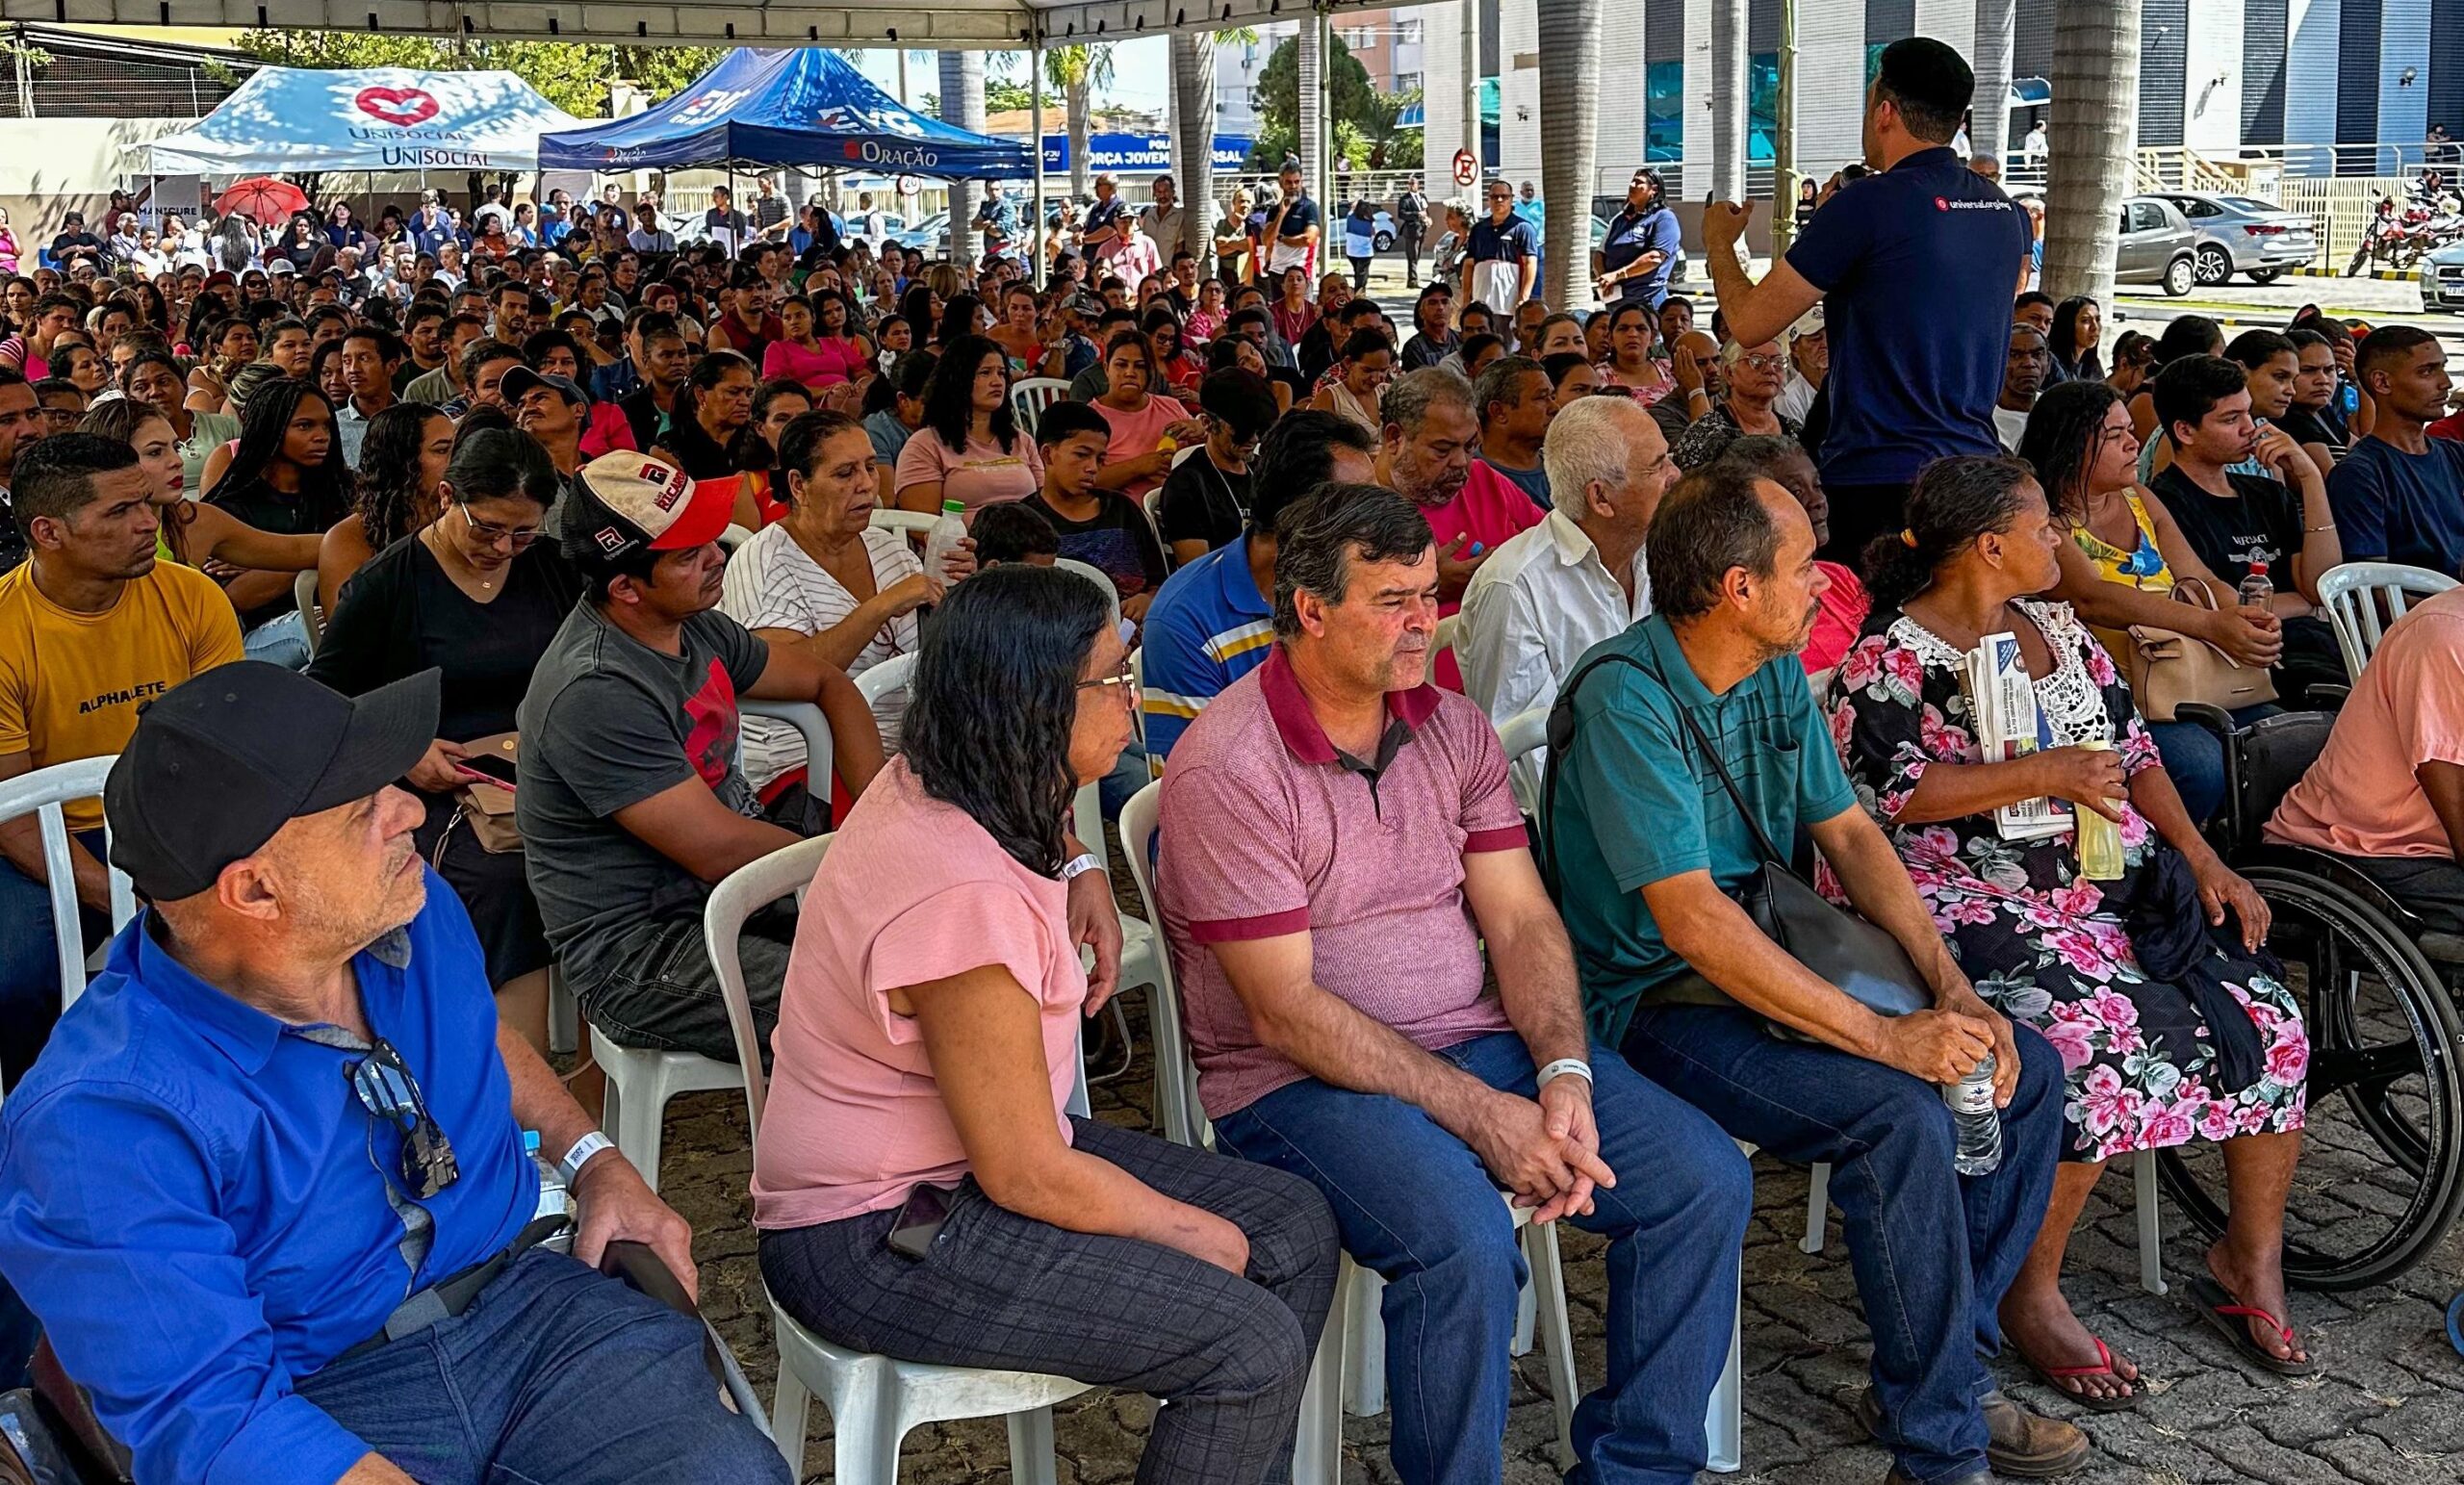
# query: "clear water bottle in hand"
(938, 543)
(2257, 588)
(1976, 1123)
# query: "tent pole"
(1034, 144)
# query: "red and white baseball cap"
(625, 501)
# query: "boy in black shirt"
(1105, 530)
(2235, 520)
(1205, 504)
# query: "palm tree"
(1310, 60)
(963, 105)
(1569, 80)
(1991, 134)
(2095, 138)
(1194, 147)
(1078, 72)
(1728, 100)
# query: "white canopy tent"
(374, 118)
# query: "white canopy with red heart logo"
(378, 118)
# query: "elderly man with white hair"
(1552, 592)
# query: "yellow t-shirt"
(71, 683)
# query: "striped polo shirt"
(1207, 627)
(1269, 830)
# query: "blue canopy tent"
(806, 106)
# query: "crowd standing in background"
(543, 495)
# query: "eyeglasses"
(493, 535)
(389, 1094)
(1124, 677)
(1763, 363)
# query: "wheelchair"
(2381, 1177)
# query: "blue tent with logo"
(806, 106)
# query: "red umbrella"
(263, 199)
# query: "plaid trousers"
(1228, 1355)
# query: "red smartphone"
(486, 768)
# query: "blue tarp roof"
(805, 107)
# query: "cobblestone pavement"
(2387, 1408)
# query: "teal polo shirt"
(1636, 803)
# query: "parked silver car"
(2157, 247)
(2442, 278)
(2245, 235)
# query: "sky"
(1142, 73)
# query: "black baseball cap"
(522, 380)
(221, 761)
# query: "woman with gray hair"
(1751, 378)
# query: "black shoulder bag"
(1867, 964)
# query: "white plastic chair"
(2352, 594)
(2151, 1233)
(874, 1401)
(1094, 574)
(880, 681)
(642, 1080)
(914, 522)
(1448, 629)
(733, 537)
(1184, 454)
(1524, 736)
(1030, 397)
(303, 591)
(45, 794)
(1355, 1333)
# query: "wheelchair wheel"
(2381, 1177)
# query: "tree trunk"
(963, 105)
(2096, 138)
(1569, 38)
(1311, 67)
(1728, 99)
(1079, 98)
(1194, 148)
(1996, 22)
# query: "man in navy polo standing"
(1912, 379)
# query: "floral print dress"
(2043, 944)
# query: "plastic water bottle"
(942, 540)
(2257, 588)
(2101, 856)
(553, 1200)
(1976, 1121)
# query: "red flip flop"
(2055, 1376)
(2228, 1315)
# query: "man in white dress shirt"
(1552, 592)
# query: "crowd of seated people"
(584, 529)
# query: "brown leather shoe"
(1980, 1478)
(2019, 1444)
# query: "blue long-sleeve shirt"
(190, 1198)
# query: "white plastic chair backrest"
(1181, 456)
(1448, 629)
(914, 522)
(745, 891)
(733, 537)
(1139, 819)
(888, 675)
(1030, 397)
(1818, 682)
(303, 591)
(42, 793)
(1525, 737)
(1137, 678)
(2353, 593)
(1095, 575)
(820, 754)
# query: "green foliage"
(1079, 67)
(1359, 125)
(571, 75)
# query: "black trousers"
(1407, 237)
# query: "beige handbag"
(487, 810)
(2168, 668)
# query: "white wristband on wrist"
(1561, 1067)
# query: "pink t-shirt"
(2362, 796)
(1489, 508)
(826, 365)
(1138, 434)
(913, 890)
(1265, 834)
(983, 473)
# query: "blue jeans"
(1129, 775)
(1415, 1205)
(556, 1373)
(30, 961)
(1932, 1251)
(2195, 759)
(282, 642)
